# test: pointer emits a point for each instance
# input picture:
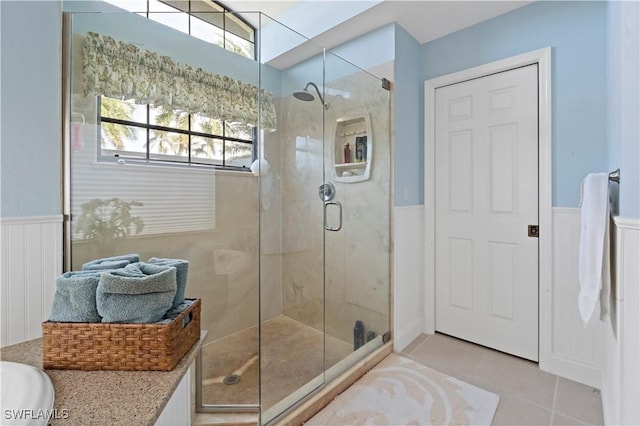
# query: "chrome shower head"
(305, 95)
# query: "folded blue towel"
(174, 312)
(75, 297)
(182, 269)
(138, 293)
(114, 262)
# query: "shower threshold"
(326, 381)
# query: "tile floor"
(528, 396)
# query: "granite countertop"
(112, 398)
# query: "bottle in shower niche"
(358, 335)
(361, 144)
(361, 148)
(347, 153)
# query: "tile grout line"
(578, 422)
(553, 404)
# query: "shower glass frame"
(312, 145)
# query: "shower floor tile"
(292, 355)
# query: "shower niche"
(352, 147)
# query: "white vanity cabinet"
(178, 409)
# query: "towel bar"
(615, 176)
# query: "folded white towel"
(593, 261)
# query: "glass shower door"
(291, 232)
(324, 229)
(357, 228)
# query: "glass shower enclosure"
(282, 208)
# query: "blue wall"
(576, 31)
(408, 117)
(30, 151)
(623, 130)
(371, 49)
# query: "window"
(149, 133)
(144, 132)
(204, 19)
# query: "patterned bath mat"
(399, 391)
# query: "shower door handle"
(326, 207)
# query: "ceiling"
(425, 20)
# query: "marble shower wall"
(357, 257)
(271, 224)
(302, 231)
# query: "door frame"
(542, 57)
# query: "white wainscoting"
(408, 274)
(31, 260)
(577, 352)
(621, 372)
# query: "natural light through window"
(203, 19)
(144, 132)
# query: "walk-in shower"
(294, 287)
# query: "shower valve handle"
(327, 191)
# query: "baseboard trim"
(577, 371)
(403, 338)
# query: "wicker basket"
(108, 346)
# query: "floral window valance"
(123, 71)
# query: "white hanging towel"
(593, 261)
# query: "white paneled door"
(486, 156)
